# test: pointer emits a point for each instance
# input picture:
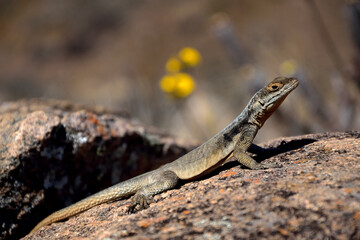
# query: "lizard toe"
(145, 201)
(141, 201)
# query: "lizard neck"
(236, 128)
(260, 112)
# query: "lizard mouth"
(293, 84)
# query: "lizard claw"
(140, 200)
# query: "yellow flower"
(288, 68)
(168, 83)
(173, 65)
(185, 85)
(178, 85)
(190, 56)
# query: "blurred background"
(188, 66)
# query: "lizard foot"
(267, 166)
(140, 200)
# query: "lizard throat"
(260, 117)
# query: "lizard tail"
(117, 191)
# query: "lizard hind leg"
(144, 196)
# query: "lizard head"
(269, 98)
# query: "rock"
(54, 153)
(315, 195)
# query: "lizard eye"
(274, 86)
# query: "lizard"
(233, 141)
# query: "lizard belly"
(197, 169)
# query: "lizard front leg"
(242, 145)
(144, 196)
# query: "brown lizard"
(234, 140)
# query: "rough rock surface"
(315, 195)
(52, 154)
